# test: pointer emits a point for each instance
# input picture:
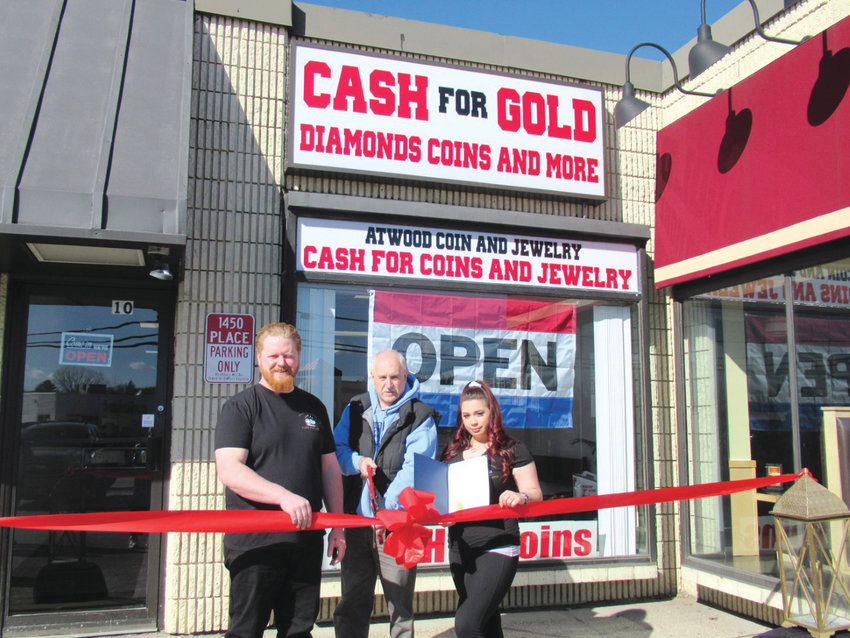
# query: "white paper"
(469, 484)
(455, 486)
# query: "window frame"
(297, 204)
(681, 293)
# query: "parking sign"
(229, 349)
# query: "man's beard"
(277, 382)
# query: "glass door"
(88, 428)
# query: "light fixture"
(706, 51)
(161, 271)
(629, 107)
(811, 539)
(87, 255)
(159, 255)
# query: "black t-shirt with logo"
(285, 435)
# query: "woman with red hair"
(483, 555)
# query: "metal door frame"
(96, 621)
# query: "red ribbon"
(621, 499)
(158, 521)
(409, 536)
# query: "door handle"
(153, 454)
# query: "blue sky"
(605, 25)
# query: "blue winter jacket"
(422, 440)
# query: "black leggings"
(482, 579)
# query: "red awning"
(761, 170)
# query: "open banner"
(524, 348)
(823, 368)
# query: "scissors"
(373, 502)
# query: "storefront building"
(460, 196)
(751, 236)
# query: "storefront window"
(822, 343)
(751, 408)
(567, 386)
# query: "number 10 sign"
(229, 348)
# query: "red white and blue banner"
(823, 368)
(523, 348)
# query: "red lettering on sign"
(340, 258)
(435, 548)
(311, 70)
(579, 169)
(584, 116)
(518, 160)
(383, 100)
(459, 154)
(527, 545)
(392, 261)
(582, 539)
(835, 293)
(557, 274)
(403, 95)
(510, 270)
(86, 356)
(555, 543)
(461, 266)
(360, 143)
(349, 87)
(537, 114)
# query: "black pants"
(482, 579)
(283, 579)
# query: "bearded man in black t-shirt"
(274, 449)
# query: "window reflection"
(334, 326)
(88, 410)
(755, 388)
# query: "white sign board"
(390, 116)
(434, 254)
(229, 348)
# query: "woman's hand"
(512, 499)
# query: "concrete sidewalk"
(680, 617)
(676, 618)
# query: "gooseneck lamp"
(629, 107)
(707, 51)
(161, 271)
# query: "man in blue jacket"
(378, 434)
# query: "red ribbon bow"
(409, 537)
